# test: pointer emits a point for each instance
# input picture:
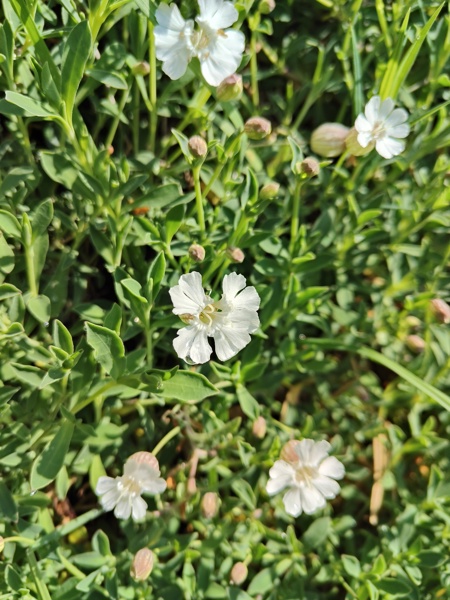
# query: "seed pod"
(238, 573)
(259, 428)
(328, 139)
(354, 147)
(257, 128)
(197, 146)
(209, 505)
(441, 310)
(196, 252)
(230, 88)
(235, 254)
(269, 191)
(142, 564)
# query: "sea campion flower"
(229, 321)
(309, 474)
(141, 475)
(382, 126)
(218, 48)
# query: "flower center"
(378, 130)
(128, 485)
(304, 475)
(207, 314)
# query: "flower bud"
(415, 343)
(197, 146)
(142, 564)
(235, 254)
(141, 68)
(259, 427)
(288, 452)
(238, 573)
(257, 128)
(196, 252)
(413, 322)
(269, 191)
(266, 6)
(144, 458)
(329, 139)
(441, 310)
(209, 505)
(230, 88)
(309, 167)
(354, 147)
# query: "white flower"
(229, 320)
(141, 475)
(309, 473)
(218, 49)
(382, 125)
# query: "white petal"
(188, 296)
(138, 508)
(332, 467)
(329, 488)
(192, 344)
(397, 117)
(109, 499)
(388, 147)
(293, 502)
(223, 57)
(364, 138)
(386, 108)
(217, 14)
(311, 499)
(372, 109)
(399, 131)
(281, 475)
(362, 125)
(123, 508)
(175, 66)
(169, 17)
(155, 486)
(232, 284)
(105, 484)
(303, 450)
(319, 452)
(229, 341)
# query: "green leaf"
(109, 78)
(248, 403)
(75, 55)
(7, 290)
(156, 274)
(62, 337)
(40, 307)
(317, 532)
(173, 220)
(393, 586)
(261, 582)
(6, 393)
(48, 464)
(245, 492)
(32, 108)
(41, 218)
(6, 256)
(108, 348)
(148, 7)
(351, 565)
(8, 507)
(59, 168)
(9, 225)
(188, 387)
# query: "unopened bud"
(413, 322)
(235, 254)
(266, 6)
(259, 427)
(257, 128)
(288, 452)
(142, 564)
(238, 573)
(269, 191)
(441, 310)
(329, 139)
(210, 505)
(196, 252)
(415, 343)
(141, 68)
(230, 88)
(309, 167)
(197, 146)
(354, 147)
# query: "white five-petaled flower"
(382, 125)
(229, 320)
(141, 475)
(218, 49)
(309, 474)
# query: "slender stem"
(116, 121)
(152, 89)
(254, 70)
(91, 398)
(199, 200)
(172, 433)
(149, 340)
(295, 221)
(31, 275)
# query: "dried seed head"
(329, 139)
(238, 573)
(145, 458)
(269, 190)
(209, 505)
(196, 252)
(142, 564)
(309, 167)
(257, 128)
(230, 88)
(197, 146)
(235, 254)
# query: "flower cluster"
(309, 474)
(229, 321)
(141, 475)
(218, 48)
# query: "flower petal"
(123, 508)
(188, 296)
(329, 488)
(332, 467)
(281, 475)
(216, 14)
(362, 125)
(105, 484)
(399, 131)
(386, 108)
(293, 502)
(319, 452)
(138, 508)
(222, 57)
(169, 17)
(389, 147)
(192, 344)
(397, 117)
(232, 284)
(229, 341)
(372, 110)
(364, 138)
(311, 499)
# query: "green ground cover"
(124, 169)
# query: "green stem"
(199, 200)
(93, 397)
(152, 89)
(116, 121)
(166, 439)
(254, 70)
(31, 275)
(295, 221)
